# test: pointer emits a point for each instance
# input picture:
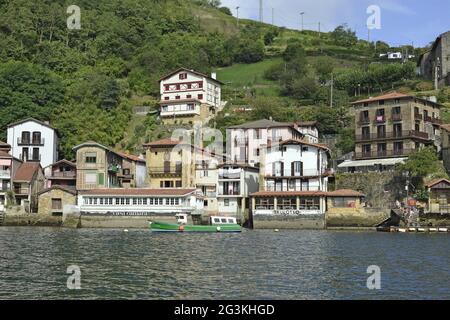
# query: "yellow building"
(174, 164)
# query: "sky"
(403, 22)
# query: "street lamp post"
(302, 14)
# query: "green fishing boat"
(217, 224)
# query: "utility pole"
(301, 15)
(237, 16)
(261, 18)
(331, 94)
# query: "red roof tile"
(138, 192)
(435, 182)
(26, 171)
(131, 157)
(389, 96)
(163, 143)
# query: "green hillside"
(87, 81)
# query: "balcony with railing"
(33, 158)
(384, 154)
(5, 174)
(172, 170)
(63, 175)
(278, 173)
(396, 117)
(21, 191)
(405, 134)
(230, 174)
(30, 142)
(417, 116)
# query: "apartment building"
(296, 166)
(33, 140)
(390, 127)
(244, 141)
(172, 163)
(101, 167)
(188, 96)
(235, 184)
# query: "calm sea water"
(251, 265)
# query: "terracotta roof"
(138, 192)
(26, 171)
(345, 193)
(446, 127)
(30, 119)
(56, 187)
(389, 96)
(131, 157)
(395, 95)
(167, 142)
(191, 71)
(4, 154)
(294, 141)
(289, 194)
(70, 163)
(179, 101)
(435, 182)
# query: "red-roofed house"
(28, 182)
(188, 96)
(62, 173)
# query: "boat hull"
(168, 227)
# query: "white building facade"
(33, 140)
(140, 202)
(296, 166)
(189, 95)
(244, 142)
(235, 184)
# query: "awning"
(5, 162)
(371, 163)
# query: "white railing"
(5, 174)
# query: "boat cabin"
(222, 220)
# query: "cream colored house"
(188, 96)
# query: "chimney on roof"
(214, 75)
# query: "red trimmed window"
(177, 97)
(183, 76)
(200, 84)
(167, 87)
(166, 98)
(188, 96)
(200, 96)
